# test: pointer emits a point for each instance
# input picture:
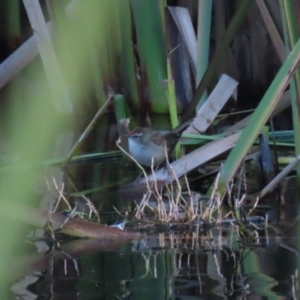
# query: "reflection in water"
(169, 265)
(183, 263)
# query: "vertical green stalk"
(291, 35)
(152, 51)
(171, 95)
(96, 75)
(127, 55)
(203, 41)
(120, 107)
(122, 110)
(172, 100)
(113, 33)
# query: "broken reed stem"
(210, 206)
(61, 196)
(174, 195)
(90, 205)
(161, 210)
(92, 208)
(176, 201)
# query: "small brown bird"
(150, 147)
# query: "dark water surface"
(168, 262)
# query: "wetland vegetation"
(86, 212)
